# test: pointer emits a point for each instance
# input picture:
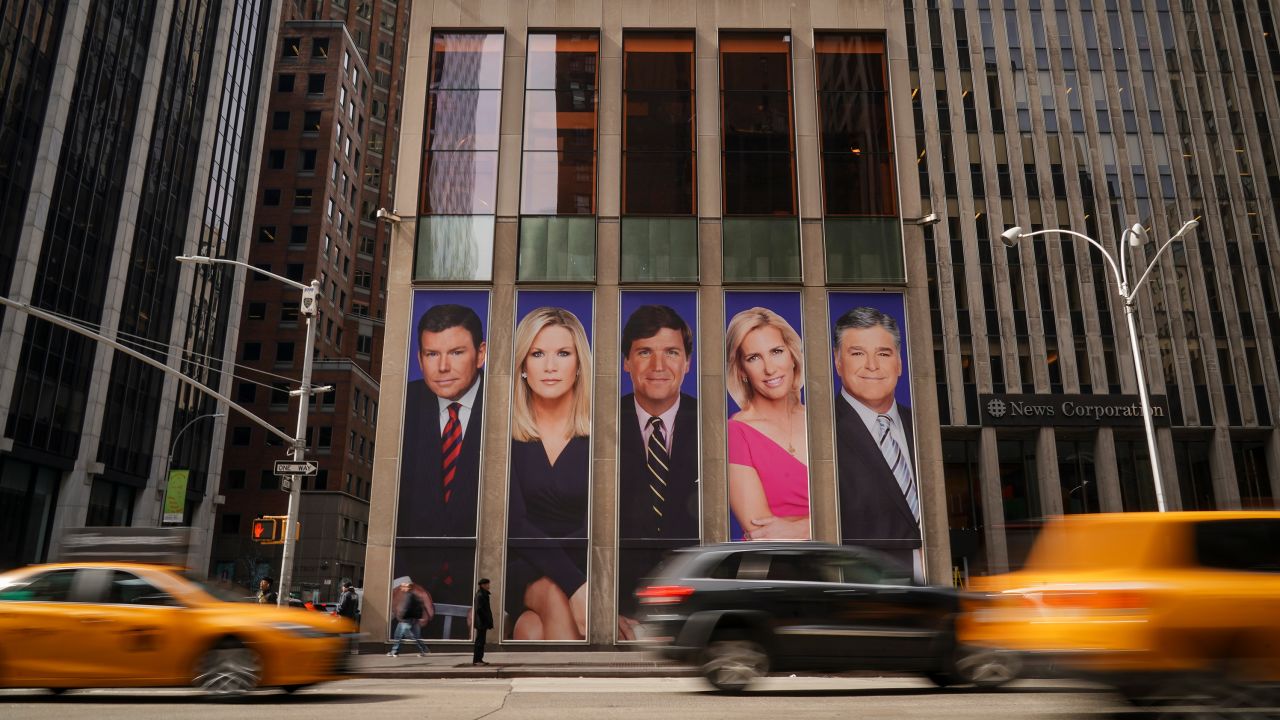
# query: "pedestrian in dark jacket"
(349, 602)
(482, 619)
(409, 619)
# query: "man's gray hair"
(861, 318)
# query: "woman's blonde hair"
(523, 428)
(739, 327)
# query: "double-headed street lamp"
(307, 307)
(1137, 235)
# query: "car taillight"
(663, 594)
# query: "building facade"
(130, 135)
(567, 167)
(327, 165)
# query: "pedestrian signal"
(268, 530)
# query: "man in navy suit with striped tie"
(440, 458)
(879, 490)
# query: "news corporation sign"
(1069, 410)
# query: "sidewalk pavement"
(452, 663)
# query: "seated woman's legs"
(550, 605)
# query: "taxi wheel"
(229, 668)
(732, 663)
(986, 667)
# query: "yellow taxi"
(84, 625)
(1150, 602)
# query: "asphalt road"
(794, 698)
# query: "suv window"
(53, 586)
(727, 568)
(800, 567)
(1247, 545)
(129, 589)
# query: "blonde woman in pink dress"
(767, 442)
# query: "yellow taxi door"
(134, 630)
(36, 630)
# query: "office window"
(289, 313)
(298, 234)
(257, 310)
(280, 120)
(302, 197)
(230, 524)
(266, 233)
(320, 47)
(307, 160)
(291, 48)
(284, 83)
(659, 163)
(271, 197)
(862, 230)
(760, 233)
(246, 392)
(251, 352)
(459, 182)
(557, 184)
(275, 159)
(311, 121)
(284, 352)
(235, 479)
(241, 435)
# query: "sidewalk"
(503, 664)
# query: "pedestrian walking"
(348, 602)
(409, 619)
(481, 619)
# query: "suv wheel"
(732, 663)
(986, 667)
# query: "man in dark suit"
(879, 491)
(658, 449)
(440, 457)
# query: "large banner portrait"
(435, 549)
(879, 493)
(768, 449)
(549, 500)
(658, 447)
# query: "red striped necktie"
(450, 449)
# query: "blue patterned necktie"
(898, 464)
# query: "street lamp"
(307, 307)
(1137, 235)
(173, 447)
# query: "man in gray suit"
(879, 491)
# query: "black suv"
(741, 610)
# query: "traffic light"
(268, 530)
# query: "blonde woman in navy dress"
(550, 462)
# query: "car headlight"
(302, 631)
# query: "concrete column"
(992, 502)
(1047, 473)
(1105, 472)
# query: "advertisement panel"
(768, 449)
(549, 498)
(878, 494)
(658, 443)
(440, 459)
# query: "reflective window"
(756, 116)
(129, 589)
(858, 175)
(659, 142)
(558, 170)
(560, 125)
(54, 586)
(459, 183)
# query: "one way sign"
(292, 467)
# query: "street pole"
(308, 309)
(169, 464)
(1147, 421)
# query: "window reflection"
(459, 179)
(559, 159)
(853, 111)
(659, 158)
(757, 124)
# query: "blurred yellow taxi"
(83, 625)
(1143, 600)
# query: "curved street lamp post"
(1137, 235)
(172, 448)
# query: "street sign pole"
(308, 308)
